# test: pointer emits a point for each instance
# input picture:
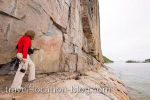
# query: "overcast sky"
(125, 29)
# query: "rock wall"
(67, 32)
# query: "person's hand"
(24, 60)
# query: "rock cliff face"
(67, 32)
(68, 36)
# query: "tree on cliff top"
(106, 60)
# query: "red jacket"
(24, 44)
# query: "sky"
(125, 29)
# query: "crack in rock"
(76, 62)
(69, 13)
(59, 4)
(34, 8)
(7, 31)
(61, 28)
(8, 15)
(14, 8)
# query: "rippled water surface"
(136, 76)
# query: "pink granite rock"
(67, 32)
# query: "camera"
(22, 70)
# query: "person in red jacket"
(23, 46)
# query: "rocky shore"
(88, 85)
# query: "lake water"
(136, 77)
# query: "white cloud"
(125, 29)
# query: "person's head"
(30, 33)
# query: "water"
(136, 77)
